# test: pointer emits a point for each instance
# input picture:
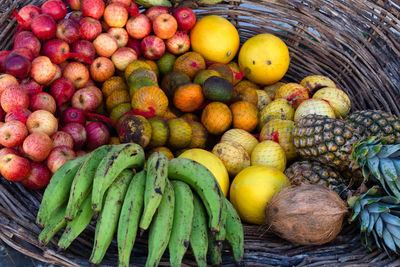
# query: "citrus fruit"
(161, 149)
(173, 80)
(199, 134)
(203, 75)
(242, 137)
(141, 73)
(135, 65)
(253, 188)
(245, 115)
(272, 88)
(245, 93)
(233, 155)
(190, 117)
(212, 163)
(218, 89)
(117, 97)
(166, 63)
(264, 59)
(112, 84)
(159, 132)
(119, 110)
(205, 38)
(188, 97)
(150, 99)
(180, 133)
(216, 117)
(223, 70)
(263, 99)
(135, 129)
(153, 65)
(190, 63)
(269, 153)
(139, 83)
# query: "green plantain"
(199, 234)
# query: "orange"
(190, 63)
(241, 92)
(149, 98)
(264, 59)
(205, 38)
(188, 97)
(216, 117)
(245, 115)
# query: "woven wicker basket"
(354, 42)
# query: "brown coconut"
(306, 214)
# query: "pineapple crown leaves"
(381, 161)
(379, 218)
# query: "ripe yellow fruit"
(263, 99)
(212, 163)
(269, 153)
(233, 155)
(316, 82)
(277, 109)
(264, 59)
(205, 38)
(253, 188)
(242, 137)
(313, 106)
(336, 98)
(216, 117)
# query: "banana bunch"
(178, 202)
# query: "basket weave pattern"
(355, 42)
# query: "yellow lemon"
(212, 163)
(253, 188)
(264, 59)
(215, 38)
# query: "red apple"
(77, 132)
(102, 69)
(96, 91)
(115, 15)
(23, 51)
(105, 45)
(28, 40)
(123, 57)
(58, 157)
(3, 56)
(27, 14)
(185, 17)
(138, 27)
(42, 121)
(44, 27)
(76, 16)
(179, 43)
(71, 114)
(14, 168)
(89, 28)
(85, 48)
(62, 90)
(92, 8)
(165, 26)
(12, 133)
(7, 150)
(124, 2)
(57, 50)
(153, 12)
(152, 47)
(43, 101)
(85, 99)
(90, 82)
(37, 146)
(54, 8)
(120, 34)
(18, 114)
(38, 178)
(77, 73)
(56, 76)
(7, 80)
(68, 30)
(74, 4)
(14, 97)
(135, 45)
(30, 86)
(61, 138)
(97, 135)
(2, 113)
(43, 70)
(17, 65)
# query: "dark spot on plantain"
(186, 243)
(67, 230)
(157, 164)
(169, 198)
(68, 171)
(158, 190)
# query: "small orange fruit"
(245, 115)
(150, 98)
(190, 63)
(188, 97)
(216, 117)
(245, 93)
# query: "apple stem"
(275, 136)
(133, 12)
(107, 121)
(15, 14)
(80, 56)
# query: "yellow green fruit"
(269, 153)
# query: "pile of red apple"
(49, 81)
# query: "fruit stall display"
(161, 132)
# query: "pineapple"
(313, 172)
(377, 123)
(379, 219)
